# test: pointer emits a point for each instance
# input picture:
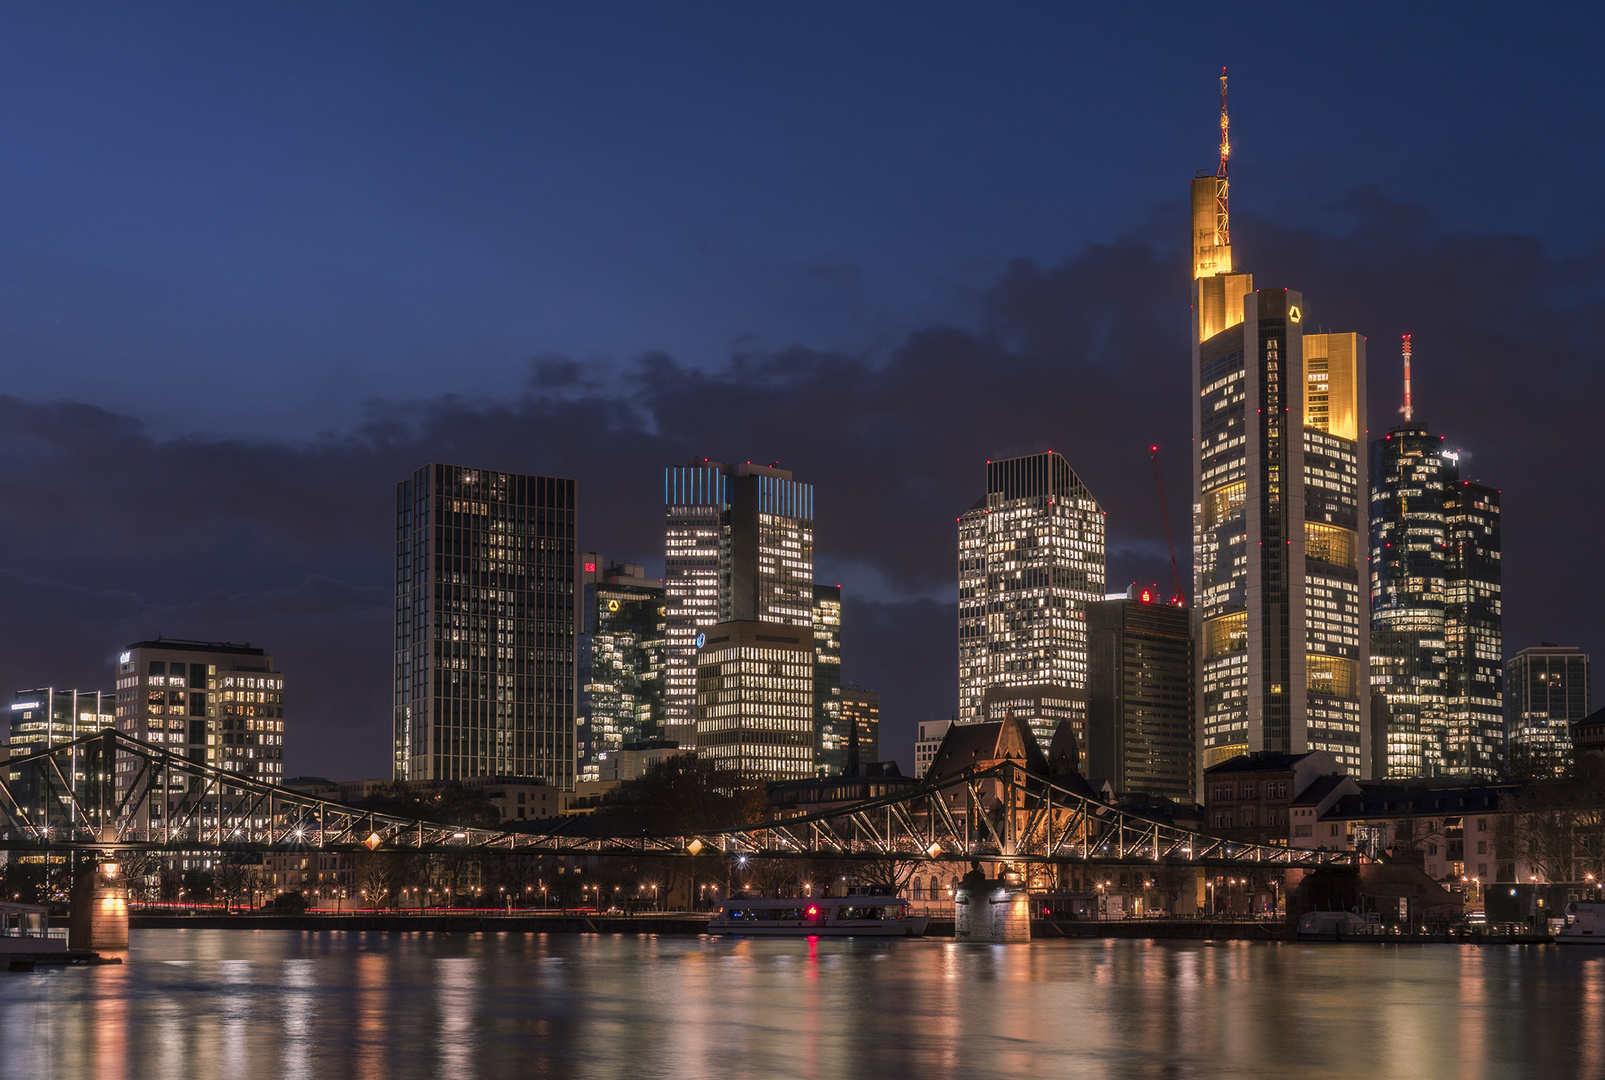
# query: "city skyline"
(283, 535)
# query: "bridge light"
(694, 847)
(934, 850)
(372, 841)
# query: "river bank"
(690, 924)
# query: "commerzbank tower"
(1279, 509)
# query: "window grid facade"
(485, 674)
(755, 699)
(621, 670)
(1278, 513)
(738, 545)
(1031, 558)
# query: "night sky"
(259, 262)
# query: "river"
(235, 1004)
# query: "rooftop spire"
(1408, 411)
(1223, 227)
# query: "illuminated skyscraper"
(621, 657)
(485, 680)
(738, 546)
(1435, 605)
(1031, 558)
(1278, 512)
(831, 737)
(861, 725)
(1473, 625)
(755, 698)
(1408, 572)
(1548, 691)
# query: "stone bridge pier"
(99, 919)
(991, 910)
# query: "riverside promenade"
(694, 923)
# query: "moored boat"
(841, 916)
(1585, 924)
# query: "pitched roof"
(1259, 761)
(969, 746)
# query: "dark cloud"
(116, 534)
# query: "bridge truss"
(111, 793)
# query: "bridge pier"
(99, 919)
(995, 911)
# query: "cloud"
(115, 532)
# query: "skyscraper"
(1140, 727)
(46, 718)
(209, 701)
(755, 698)
(1031, 558)
(1409, 559)
(861, 727)
(830, 735)
(1473, 625)
(1278, 511)
(1547, 691)
(621, 659)
(485, 680)
(738, 545)
(1435, 604)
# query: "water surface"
(239, 1004)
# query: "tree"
(683, 796)
(447, 804)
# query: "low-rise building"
(1249, 798)
(872, 781)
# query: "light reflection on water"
(282, 1004)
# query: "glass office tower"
(1279, 509)
(485, 678)
(738, 546)
(1031, 558)
(621, 660)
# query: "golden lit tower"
(1278, 511)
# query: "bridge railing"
(111, 791)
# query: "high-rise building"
(209, 701)
(1473, 626)
(45, 718)
(1031, 558)
(755, 698)
(1547, 690)
(738, 546)
(1279, 510)
(1409, 567)
(486, 619)
(1140, 727)
(830, 736)
(621, 659)
(861, 727)
(927, 741)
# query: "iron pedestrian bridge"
(109, 793)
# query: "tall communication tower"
(1223, 225)
(1408, 410)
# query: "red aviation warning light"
(1407, 410)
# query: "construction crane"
(1180, 599)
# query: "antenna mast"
(1408, 411)
(1223, 225)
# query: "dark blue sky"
(323, 244)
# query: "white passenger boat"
(841, 916)
(1585, 924)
